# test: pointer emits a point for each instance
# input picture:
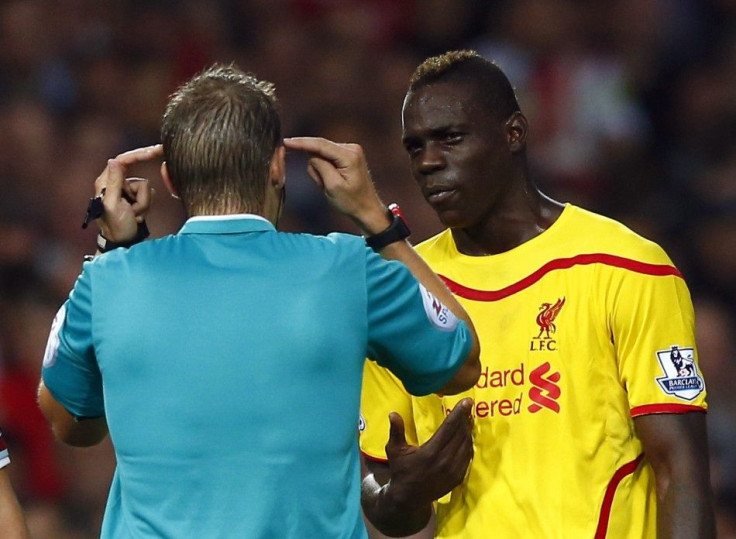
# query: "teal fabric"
(227, 360)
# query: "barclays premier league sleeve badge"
(440, 316)
(52, 345)
(681, 373)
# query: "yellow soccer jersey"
(582, 328)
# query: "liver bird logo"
(546, 318)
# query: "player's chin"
(452, 218)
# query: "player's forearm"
(685, 511)
(676, 446)
(392, 513)
(66, 427)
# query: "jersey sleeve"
(70, 371)
(653, 329)
(382, 394)
(409, 331)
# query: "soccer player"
(583, 424)
(12, 522)
(226, 360)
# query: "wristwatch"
(104, 245)
(396, 231)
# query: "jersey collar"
(226, 224)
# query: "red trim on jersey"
(374, 459)
(671, 408)
(618, 476)
(557, 264)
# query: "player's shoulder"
(610, 236)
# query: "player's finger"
(464, 458)
(456, 423)
(396, 436)
(456, 454)
(451, 446)
(140, 155)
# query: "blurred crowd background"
(632, 107)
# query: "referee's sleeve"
(409, 331)
(70, 371)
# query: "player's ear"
(167, 180)
(517, 129)
(277, 168)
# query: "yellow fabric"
(577, 328)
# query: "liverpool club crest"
(546, 321)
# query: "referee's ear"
(167, 180)
(277, 168)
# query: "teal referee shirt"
(227, 360)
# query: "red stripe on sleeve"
(618, 476)
(558, 264)
(671, 408)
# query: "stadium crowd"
(632, 103)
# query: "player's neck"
(509, 225)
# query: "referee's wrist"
(104, 244)
(396, 231)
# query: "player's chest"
(539, 344)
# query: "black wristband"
(104, 245)
(396, 231)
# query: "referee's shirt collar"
(226, 224)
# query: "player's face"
(458, 151)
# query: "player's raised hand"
(342, 173)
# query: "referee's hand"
(341, 171)
(126, 200)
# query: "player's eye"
(452, 137)
(412, 148)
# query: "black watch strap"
(104, 245)
(396, 231)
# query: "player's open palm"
(427, 472)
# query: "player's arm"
(12, 523)
(652, 316)
(397, 496)
(70, 430)
(342, 172)
(676, 445)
